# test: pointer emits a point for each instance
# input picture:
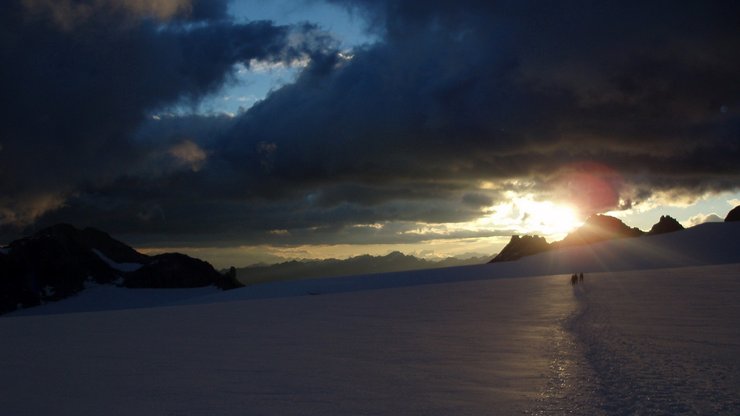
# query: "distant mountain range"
(62, 260)
(365, 264)
(597, 228)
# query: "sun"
(546, 217)
(525, 214)
(520, 214)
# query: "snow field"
(97, 297)
(478, 347)
(664, 341)
(653, 330)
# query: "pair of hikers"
(575, 278)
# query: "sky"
(254, 131)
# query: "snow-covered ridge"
(121, 267)
(706, 244)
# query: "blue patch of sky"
(250, 85)
(687, 214)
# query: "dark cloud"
(599, 103)
(466, 91)
(477, 200)
(166, 212)
(69, 14)
(79, 77)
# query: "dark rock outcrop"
(50, 265)
(59, 261)
(733, 215)
(519, 247)
(598, 228)
(666, 224)
(174, 270)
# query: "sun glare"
(524, 214)
(547, 218)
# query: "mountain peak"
(88, 238)
(733, 215)
(58, 261)
(519, 247)
(595, 229)
(599, 228)
(666, 224)
(58, 229)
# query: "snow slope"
(706, 244)
(434, 350)
(97, 297)
(634, 338)
(662, 341)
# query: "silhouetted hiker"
(580, 277)
(573, 279)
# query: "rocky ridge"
(62, 260)
(597, 228)
(733, 215)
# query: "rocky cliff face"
(519, 247)
(598, 228)
(59, 261)
(173, 270)
(733, 215)
(666, 224)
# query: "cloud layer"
(80, 77)
(457, 104)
